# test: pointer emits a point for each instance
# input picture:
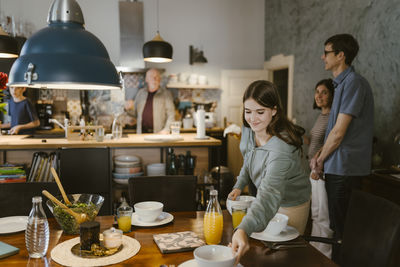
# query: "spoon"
(60, 187)
(79, 217)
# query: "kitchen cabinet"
(19, 149)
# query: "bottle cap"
(36, 199)
(213, 192)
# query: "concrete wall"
(301, 28)
(230, 32)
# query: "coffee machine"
(45, 112)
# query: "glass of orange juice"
(124, 217)
(238, 212)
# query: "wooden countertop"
(132, 140)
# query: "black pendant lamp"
(157, 50)
(64, 55)
(8, 45)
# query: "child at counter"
(23, 115)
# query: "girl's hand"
(234, 194)
(240, 244)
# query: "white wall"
(231, 32)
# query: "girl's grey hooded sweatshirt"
(277, 171)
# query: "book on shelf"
(22, 179)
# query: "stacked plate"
(125, 167)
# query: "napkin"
(7, 250)
(233, 128)
(177, 242)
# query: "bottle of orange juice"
(213, 220)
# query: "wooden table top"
(149, 254)
(131, 140)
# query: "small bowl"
(241, 201)
(277, 224)
(148, 211)
(123, 164)
(127, 158)
(126, 175)
(214, 256)
(128, 170)
(67, 221)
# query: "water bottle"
(213, 220)
(116, 128)
(37, 232)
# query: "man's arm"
(335, 138)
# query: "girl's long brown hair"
(266, 94)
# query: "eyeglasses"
(327, 52)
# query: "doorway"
(280, 69)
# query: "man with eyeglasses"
(346, 154)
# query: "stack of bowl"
(125, 167)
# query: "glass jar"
(213, 220)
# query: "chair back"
(176, 192)
(372, 232)
(16, 198)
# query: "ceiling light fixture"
(8, 44)
(157, 50)
(64, 55)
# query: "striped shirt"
(318, 135)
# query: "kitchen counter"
(12, 142)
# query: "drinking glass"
(100, 134)
(175, 127)
(124, 217)
(238, 212)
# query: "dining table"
(150, 255)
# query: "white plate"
(13, 224)
(121, 181)
(164, 218)
(193, 263)
(126, 175)
(163, 137)
(288, 234)
(189, 263)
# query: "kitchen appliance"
(45, 112)
(209, 119)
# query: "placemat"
(62, 253)
(177, 242)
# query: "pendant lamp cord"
(158, 15)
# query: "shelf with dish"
(182, 85)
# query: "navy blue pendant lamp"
(157, 50)
(64, 55)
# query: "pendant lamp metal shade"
(8, 45)
(157, 50)
(64, 55)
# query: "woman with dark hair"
(323, 97)
(271, 149)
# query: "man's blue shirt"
(353, 96)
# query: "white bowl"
(127, 158)
(214, 256)
(241, 201)
(277, 224)
(126, 164)
(128, 170)
(148, 211)
(156, 169)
